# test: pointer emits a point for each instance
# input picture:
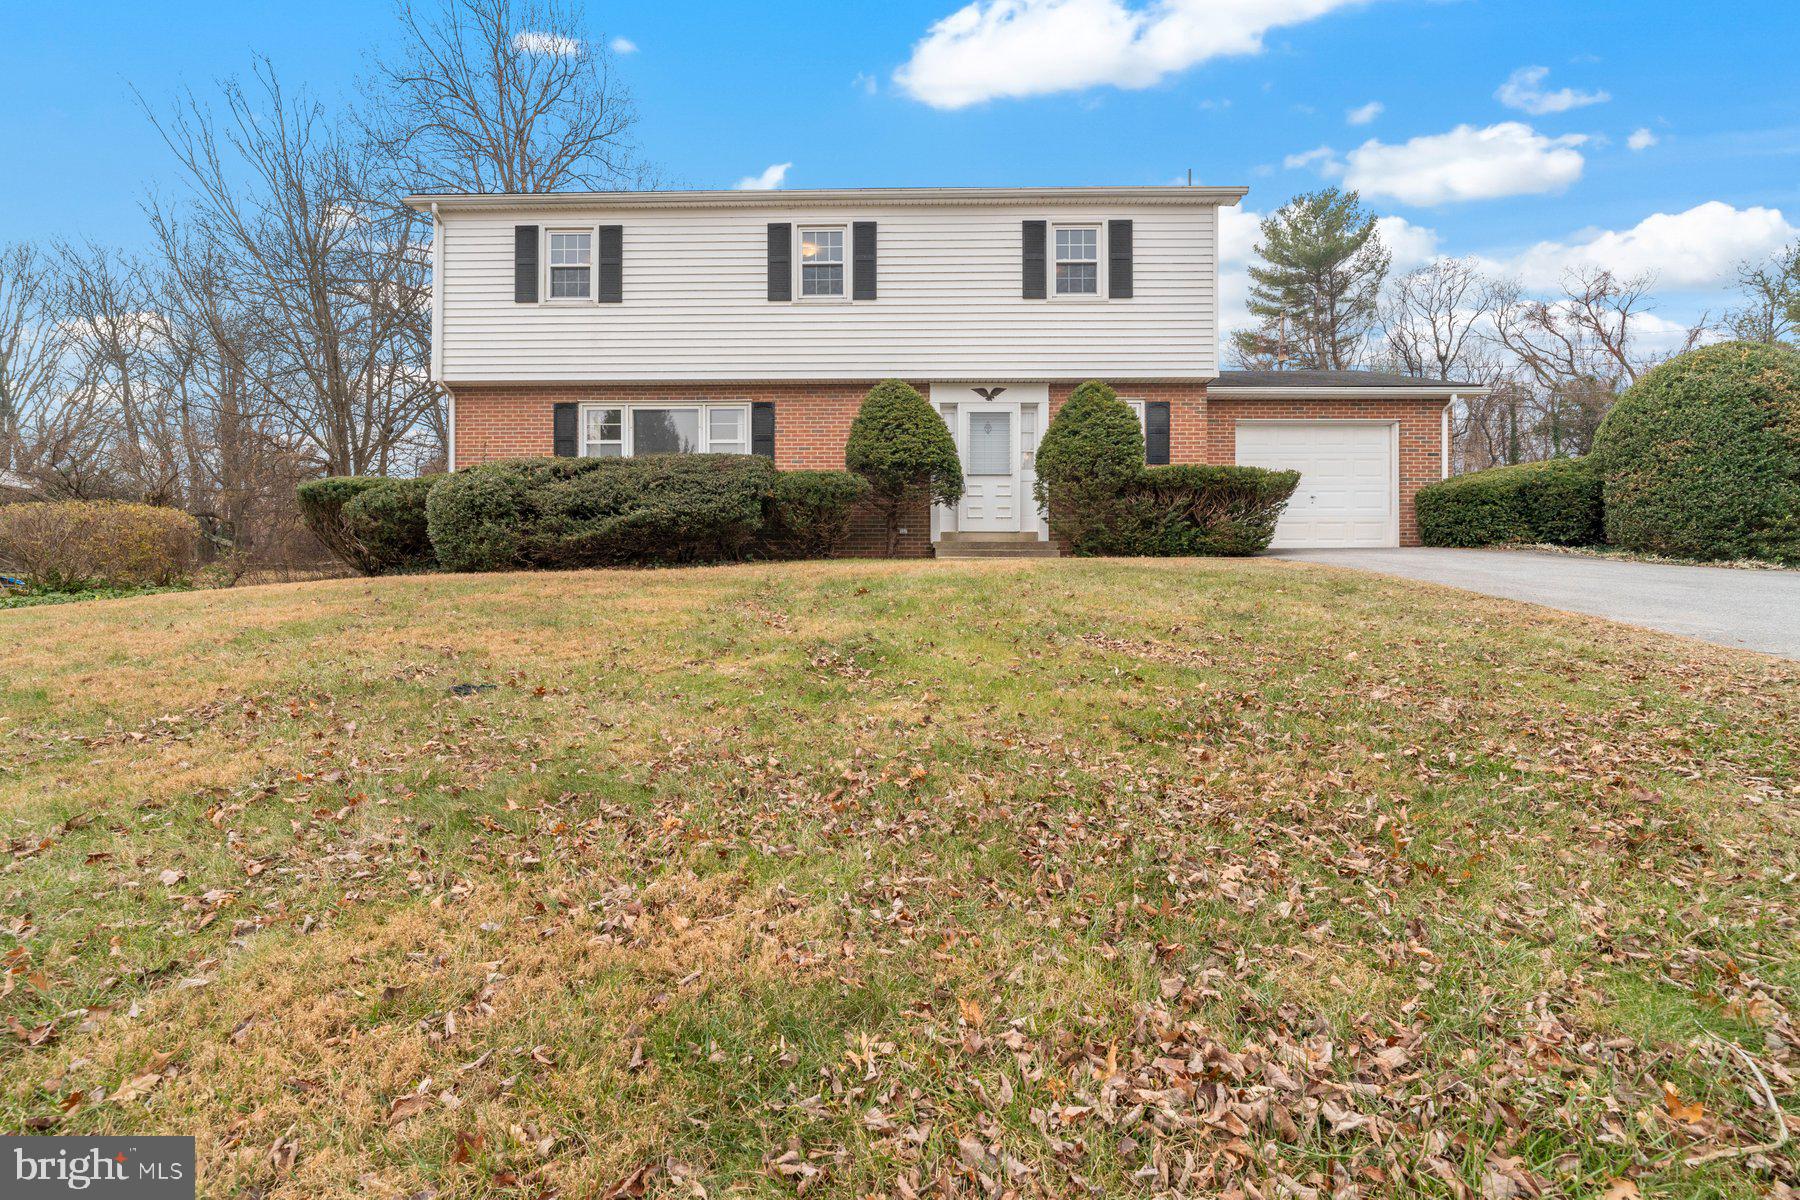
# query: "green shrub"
(1204, 510)
(811, 511)
(1090, 454)
(1555, 502)
(85, 544)
(322, 504)
(387, 524)
(1701, 459)
(905, 451)
(590, 512)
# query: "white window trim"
(544, 288)
(799, 285)
(703, 407)
(1100, 279)
(1137, 408)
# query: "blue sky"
(1656, 135)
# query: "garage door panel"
(1346, 495)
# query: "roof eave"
(821, 197)
(1341, 392)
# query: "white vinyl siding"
(950, 308)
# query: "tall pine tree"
(1315, 290)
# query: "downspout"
(1444, 437)
(437, 335)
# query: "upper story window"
(1077, 260)
(821, 262)
(571, 265)
(626, 430)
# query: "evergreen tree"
(1316, 289)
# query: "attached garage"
(1364, 443)
(1349, 493)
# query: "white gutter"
(1185, 197)
(1444, 439)
(1341, 392)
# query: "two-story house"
(753, 323)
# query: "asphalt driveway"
(1751, 610)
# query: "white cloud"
(624, 45)
(864, 83)
(1697, 250)
(1238, 231)
(1508, 159)
(1524, 90)
(768, 181)
(990, 49)
(1642, 139)
(532, 41)
(1323, 155)
(1410, 245)
(1366, 113)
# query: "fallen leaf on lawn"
(1620, 1189)
(1682, 1110)
(137, 1086)
(170, 876)
(408, 1106)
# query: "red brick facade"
(812, 423)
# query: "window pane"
(724, 425)
(665, 430)
(990, 443)
(568, 281)
(570, 249)
(604, 424)
(821, 281)
(606, 450)
(1083, 244)
(1077, 279)
(822, 245)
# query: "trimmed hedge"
(1207, 510)
(1701, 459)
(322, 504)
(1556, 502)
(592, 512)
(903, 448)
(810, 512)
(388, 525)
(82, 544)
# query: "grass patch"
(851, 878)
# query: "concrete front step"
(1034, 549)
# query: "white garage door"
(1346, 495)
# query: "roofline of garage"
(1344, 393)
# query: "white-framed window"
(571, 264)
(1137, 410)
(822, 264)
(627, 430)
(1075, 266)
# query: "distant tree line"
(1324, 298)
(278, 328)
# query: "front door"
(991, 501)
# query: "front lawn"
(1196, 878)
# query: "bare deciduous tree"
(1771, 291)
(332, 281)
(505, 96)
(32, 338)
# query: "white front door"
(1347, 493)
(989, 444)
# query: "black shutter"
(862, 254)
(781, 262)
(612, 264)
(762, 429)
(1032, 261)
(525, 264)
(1156, 433)
(1118, 274)
(562, 426)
